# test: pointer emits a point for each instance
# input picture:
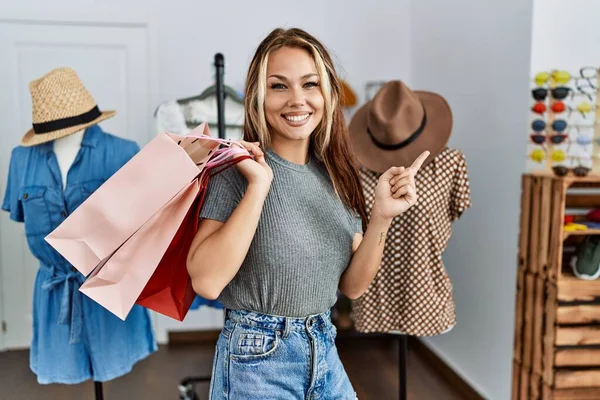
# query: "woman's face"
(294, 103)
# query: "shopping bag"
(118, 281)
(169, 291)
(122, 235)
(132, 196)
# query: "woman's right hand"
(255, 171)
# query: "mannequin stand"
(98, 390)
(402, 357)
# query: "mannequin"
(411, 293)
(66, 149)
(61, 161)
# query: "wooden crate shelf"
(556, 352)
(586, 232)
(570, 288)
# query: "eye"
(311, 84)
(277, 86)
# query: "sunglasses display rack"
(564, 132)
(556, 353)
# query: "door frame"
(100, 16)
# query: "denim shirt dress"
(74, 338)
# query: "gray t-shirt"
(302, 245)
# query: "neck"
(294, 151)
(70, 142)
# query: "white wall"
(565, 35)
(191, 32)
(476, 53)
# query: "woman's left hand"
(396, 192)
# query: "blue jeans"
(261, 356)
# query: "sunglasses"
(558, 93)
(556, 138)
(586, 87)
(560, 77)
(539, 155)
(584, 140)
(561, 170)
(558, 125)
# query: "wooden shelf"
(557, 315)
(571, 288)
(586, 232)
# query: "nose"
(296, 98)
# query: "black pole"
(220, 66)
(402, 353)
(98, 390)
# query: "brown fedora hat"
(397, 125)
(61, 106)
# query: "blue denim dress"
(74, 338)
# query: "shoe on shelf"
(586, 262)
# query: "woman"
(281, 233)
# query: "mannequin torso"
(66, 149)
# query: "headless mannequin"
(66, 149)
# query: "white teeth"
(297, 118)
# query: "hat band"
(68, 122)
(403, 143)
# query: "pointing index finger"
(420, 160)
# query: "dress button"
(73, 269)
(63, 214)
(25, 195)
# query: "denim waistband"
(275, 322)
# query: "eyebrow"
(283, 78)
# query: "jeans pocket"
(248, 343)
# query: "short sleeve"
(357, 223)
(11, 202)
(222, 196)
(460, 196)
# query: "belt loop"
(286, 328)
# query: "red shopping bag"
(169, 291)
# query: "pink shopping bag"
(129, 198)
(122, 230)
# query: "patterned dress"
(412, 293)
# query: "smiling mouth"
(297, 117)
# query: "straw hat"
(61, 105)
(397, 125)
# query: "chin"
(299, 135)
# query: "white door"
(113, 57)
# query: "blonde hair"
(330, 139)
